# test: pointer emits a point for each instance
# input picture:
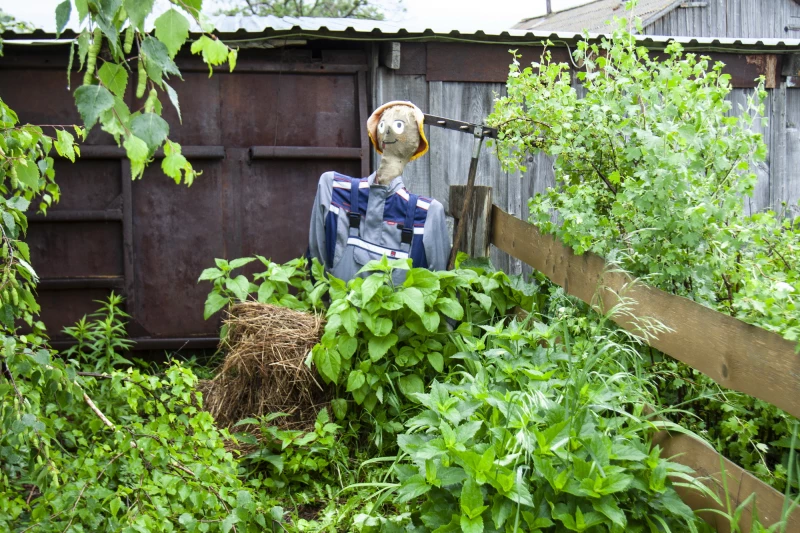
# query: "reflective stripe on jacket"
(344, 244)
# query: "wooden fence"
(736, 355)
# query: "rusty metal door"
(262, 136)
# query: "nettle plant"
(538, 434)
(384, 343)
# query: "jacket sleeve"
(316, 231)
(437, 237)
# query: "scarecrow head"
(395, 129)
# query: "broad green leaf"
(172, 29)
(228, 522)
(137, 11)
(91, 101)
(371, 285)
(411, 384)
(175, 166)
(210, 274)
(65, 144)
(239, 286)
(240, 262)
(471, 500)
(378, 346)
(27, 173)
(413, 299)
(350, 320)
(157, 54)
(138, 153)
(471, 525)
(63, 11)
(114, 77)
(214, 303)
(450, 307)
(214, 51)
(347, 346)
(265, 291)
(436, 360)
(150, 128)
(431, 321)
(328, 363)
(355, 380)
(339, 406)
(413, 487)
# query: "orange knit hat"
(375, 118)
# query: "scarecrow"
(357, 220)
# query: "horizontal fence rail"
(735, 354)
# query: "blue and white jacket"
(356, 220)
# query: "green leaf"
(91, 101)
(430, 321)
(347, 346)
(214, 51)
(157, 54)
(192, 6)
(27, 173)
(436, 360)
(173, 97)
(63, 11)
(378, 346)
(355, 380)
(471, 525)
(240, 262)
(350, 320)
(370, 286)
(214, 303)
(210, 274)
(413, 299)
(450, 307)
(328, 363)
(65, 144)
(228, 523)
(608, 507)
(150, 128)
(239, 286)
(114, 77)
(410, 385)
(471, 499)
(138, 153)
(137, 11)
(413, 487)
(173, 165)
(172, 29)
(339, 406)
(265, 291)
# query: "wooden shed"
(295, 107)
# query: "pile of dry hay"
(264, 369)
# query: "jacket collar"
(395, 185)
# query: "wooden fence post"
(476, 239)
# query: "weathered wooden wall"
(448, 160)
(757, 19)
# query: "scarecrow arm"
(436, 238)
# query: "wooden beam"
(736, 355)
(708, 464)
(476, 240)
(390, 55)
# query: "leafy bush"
(111, 450)
(651, 171)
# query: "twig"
(97, 411)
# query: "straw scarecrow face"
(398, 133)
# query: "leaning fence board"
(707, 464)
(736, 355)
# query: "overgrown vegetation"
(463, 401)
(651, 172)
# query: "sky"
(488, 15)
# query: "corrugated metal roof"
(256, 28)
(593, 16)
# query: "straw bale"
(264, 369)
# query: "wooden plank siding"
(448, 160)
(756, 19)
